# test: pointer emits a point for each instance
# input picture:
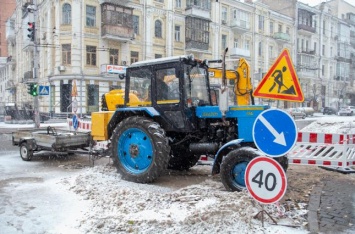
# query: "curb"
(313, 207)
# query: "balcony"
(121, 2)
(283, 37)
(306, 29)
(196, 11)
(310, 52)
(238, 52)
(118, 33)
(196, 46)
(10, 31)
(117, 22)
(240, 26)
(340, 58)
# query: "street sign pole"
(35, 68)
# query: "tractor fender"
(123, 113)
(224, 150)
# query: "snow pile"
(337, 124)
(119, 206)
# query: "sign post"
(266, 182)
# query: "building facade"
(89, 43)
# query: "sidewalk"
(332, 206)
(6, 128)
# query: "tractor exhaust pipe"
(203, 148)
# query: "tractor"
(167, 120)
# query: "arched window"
(66, 14)
(158, 29)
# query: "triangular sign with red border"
(281, 81)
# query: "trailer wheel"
(233, 168)
(25, 152)
(140, 149)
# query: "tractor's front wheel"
(233, 168)
(140, 149)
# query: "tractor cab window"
(167, 86)
(196, 86)
(140, 87)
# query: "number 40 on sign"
(265, 180)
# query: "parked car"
(296, 113)
(348, 110)
(308, 110)
(329, 111)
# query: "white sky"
(316, 2)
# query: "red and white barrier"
(83, 125)
(322, 149)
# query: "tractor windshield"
(196, 85)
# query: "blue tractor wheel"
(233, 168)
(234, 164)
(140, 149)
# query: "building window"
(224, 14)
(307, 45)
(247, 45)
(136, 24)
(315, 47)
(235, 43)
(66, 54)
(288, 30)
(91, 55)
(271, 51)
(134, 56)
(66, 14)
(323, 49)
(114, 56)
(279, 29)
(158, 56)
(224, 41)
(158, 28)
(93, 97)
(178, 3)
(323, 70)
(271, 28)
(90, 16)
(261, 22)
(331, 51)
(324, 27)
(260, 49)
(162, 1)
(177, 33)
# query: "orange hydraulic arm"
(242, 81)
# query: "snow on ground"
(123, 207)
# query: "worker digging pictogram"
(281, 81)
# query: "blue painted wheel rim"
(135, 150)
(238, 173)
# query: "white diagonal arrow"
(279, 137)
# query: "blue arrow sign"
(43, 90)
(75, 122)
(274, 132)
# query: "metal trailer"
(59, 142)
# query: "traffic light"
(32, 89)
(29, 89)
(32, 30)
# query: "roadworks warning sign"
(281, 81)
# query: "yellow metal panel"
(99, 122)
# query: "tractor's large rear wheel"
(140, 149)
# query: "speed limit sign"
(265, 180)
